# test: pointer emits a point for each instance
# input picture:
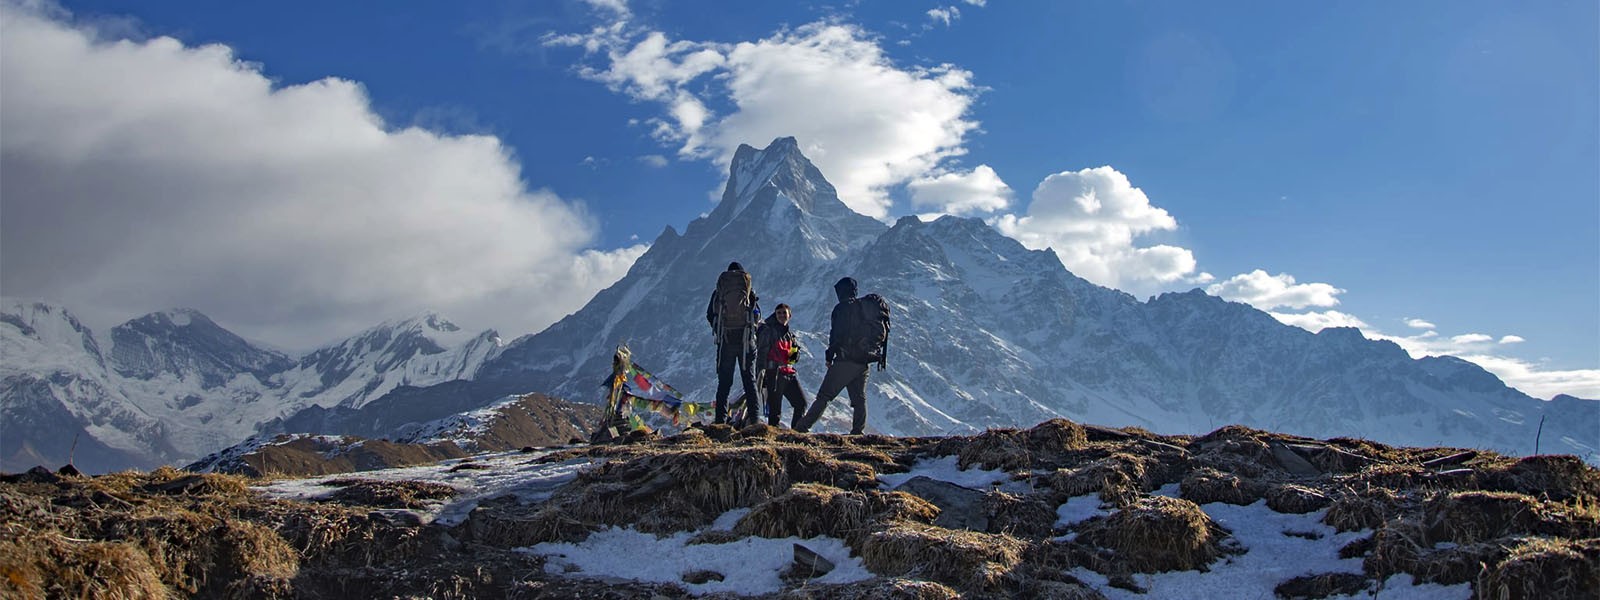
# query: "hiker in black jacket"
(854, 344)
(733, 314)
(778, 351)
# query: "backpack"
(733, 300)
(869, 329)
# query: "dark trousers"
(842, 375)
(780, 387)
(731, 351)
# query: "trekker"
(859, 337)
(732, 315)
(779, 352)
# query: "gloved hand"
(830, 356)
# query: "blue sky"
(1429, 171)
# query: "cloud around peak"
(146, 174)
(867, 122)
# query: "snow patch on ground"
(503, 473)
(749, 566)
(946, 469)
(1272, 557)
(1079, 509)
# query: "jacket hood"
(845, 289)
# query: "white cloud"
(618, 8)
(1512, 339)
(1536, 382)
(1317, 321)
(978, 3)
(1267, 292)
(1418, 324)
(977, 191)
(145, 175)
(1471, 338)
(655, 160)
(866, 122)
(944, 15)
(1091, 219)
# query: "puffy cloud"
(868, 123)
(1318, 321)
(1535, 381)
(1512, 339)
(944, 15)
(1418, 324)
(1090, 218)
(978, 3)
(1267, 292)
(1471, 338)
(977, 191)
(655, 160)
(142, 175)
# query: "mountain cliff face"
(174, 385)
(989, 333)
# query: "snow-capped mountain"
(174, 385)
(989, 333)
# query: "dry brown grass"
(1401, 547)
(977, 563)
(1021, 516)
(388, 494)
(1321, 586)
(809, 510)
(1368, 510)
(1206, 485)
(1296, 499)
(1119, 478)
(884, 588)
(1158, 534)
(1468, 517)
(1561, 478)
(50, 565)
(1055, 437)
(1545, 569)
(1004, 449)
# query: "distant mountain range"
(986, 333)
(171, 386)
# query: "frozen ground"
(1277, 546)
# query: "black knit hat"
(735, 266)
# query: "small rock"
(702, 576)
(809, 564)
(396, 517)
(68, 470)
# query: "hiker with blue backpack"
(858, 338)
(733, 314)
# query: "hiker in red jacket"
(779, 351)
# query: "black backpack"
(869, 329)
(733, 300)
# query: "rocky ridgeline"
(1511, 528)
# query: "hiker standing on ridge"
(733, 314)
(858, 338)
(779, 350)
